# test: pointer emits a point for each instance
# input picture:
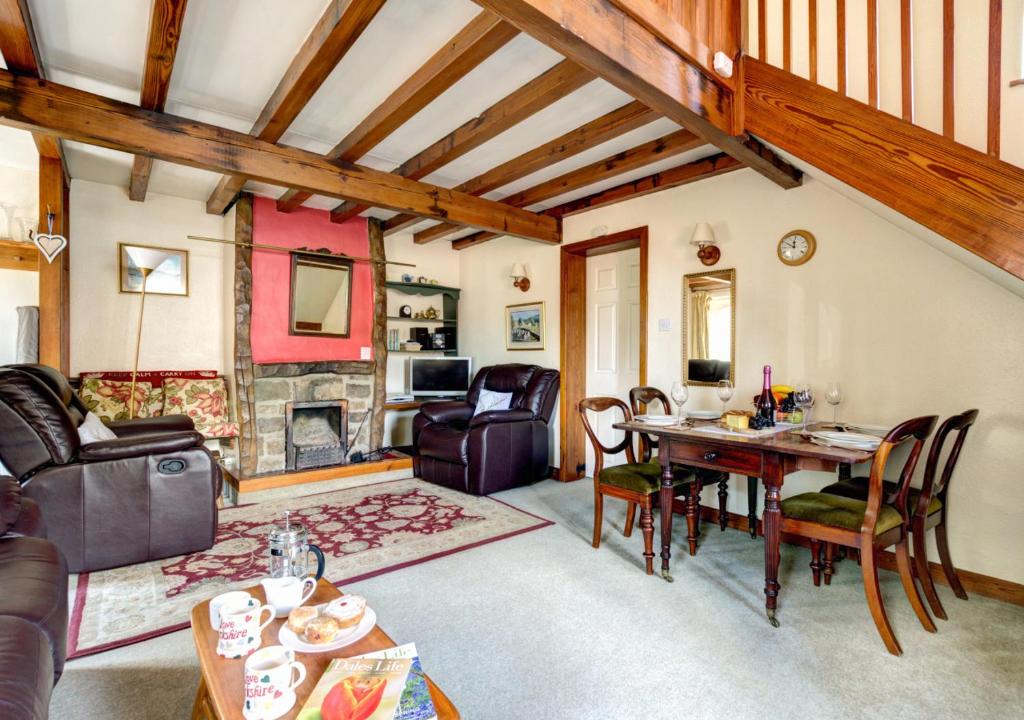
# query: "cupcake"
(322, 630)
(348, 610)
(299, 618)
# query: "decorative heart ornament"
(49, 245)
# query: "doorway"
(604, 321)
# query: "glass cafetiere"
(290, 550)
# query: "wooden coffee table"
(221, 689)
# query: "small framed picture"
(524, 326)
(170, 278)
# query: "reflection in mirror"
(321, 297)
(709, 327)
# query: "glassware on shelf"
(680, 393)
(834, 396)
(725, 392)
(803, 396)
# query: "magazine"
(415, 703)
(358, 689)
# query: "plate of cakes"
(321, 628)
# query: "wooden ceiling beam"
(673, 177)
(636, 157)
(600, 130)
(534, 96)
(161, 48)
(72, 114)
(477, 41)
(341, 24)
(20, 48)
(614, 46)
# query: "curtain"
(27, 349)
(700, 302)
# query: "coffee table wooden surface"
(221, 689)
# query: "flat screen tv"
(439, 376)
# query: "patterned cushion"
(109, 399)
(639, 477)
(205, 401)
(857, 488)
(837, 511)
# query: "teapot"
(290, 549)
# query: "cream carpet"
(543, 626)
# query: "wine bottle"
(766, 403)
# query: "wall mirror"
(709, 327)
(321, 296)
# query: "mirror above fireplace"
(321, 296)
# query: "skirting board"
(973, 582)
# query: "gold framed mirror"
(321, 296)
(709, 327)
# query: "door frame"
(573, 331)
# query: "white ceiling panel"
(181, 181)
(98, 164)
(402, 37)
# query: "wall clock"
(796, 247)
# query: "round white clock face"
(796, 248)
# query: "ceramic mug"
(287, 593)
(228, 598)
(270, 682)
(240, 628)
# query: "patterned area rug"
(363, 532)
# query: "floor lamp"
(146, 260)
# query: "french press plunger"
(290, 549)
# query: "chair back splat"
(639, 400)
(599, 405)
(916, 430)
(931, 486)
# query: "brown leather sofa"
(33, 608)
(495, 450)
(149, 494)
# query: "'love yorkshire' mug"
(271, 676)
(240, 627)
(228, 598)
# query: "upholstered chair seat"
(641, 477)
(857, 488)
(837, 511)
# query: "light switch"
(364, 353)
(664, 325)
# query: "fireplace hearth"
(316, 434)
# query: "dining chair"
(638, 483)
(869, 525)
(639, 400)
(928, 505)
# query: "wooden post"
(245, 382)
(380, 331)
(995, 66)
(55, 277)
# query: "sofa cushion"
(837, 511)
(490, 400)
(109, 399)
(93, 430)
(26, 671)
(203, 400)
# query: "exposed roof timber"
(964, 195)
(636, 157)
(617, 48)
(334, 34)
(161, 47)
(534, 96)
(600, 130)
(476, 42)
(674, 177)
(85, 117)
(20, 48)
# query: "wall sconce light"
(704, 239)
(519, 278)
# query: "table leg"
(752, 506)
(201, 705)
(845, 471)
(665, 500)
(693, 515)
(771, 522)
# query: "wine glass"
(725, 391)
(803, 396)
(834, 396)
(680, 393)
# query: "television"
(439, 376)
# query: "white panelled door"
(613, 339)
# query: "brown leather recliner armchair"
(149, 494)
(494, 450)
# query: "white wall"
(906, 329)
(19, 187)
(185, 333)
(17, 287)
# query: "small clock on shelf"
(796, 247)
(405, 311)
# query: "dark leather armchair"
(494, 450)
(149, 494)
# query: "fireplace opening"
(316, 434)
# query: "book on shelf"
(359, 688)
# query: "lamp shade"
(518, 270)
(146, 258)
(703, 235)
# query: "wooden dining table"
(771, 458)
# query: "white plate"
(704, 414)
(850, 439)
(656, 419)
(290, 640)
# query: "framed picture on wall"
(169, 278)
(524, 326)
